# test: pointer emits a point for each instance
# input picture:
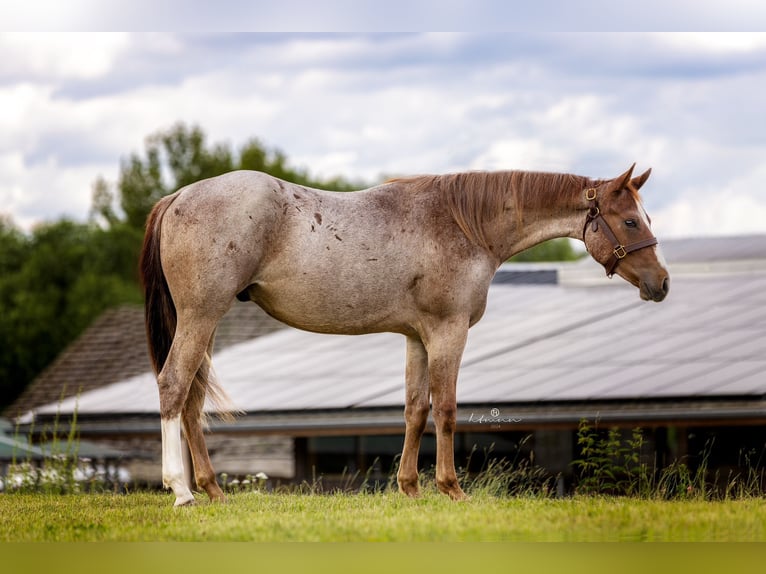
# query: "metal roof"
(537, 344)
(709, 249)
(113, 348)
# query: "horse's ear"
(620, 182)
(641, 179)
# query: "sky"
(367, 104)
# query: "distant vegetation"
(552, 250)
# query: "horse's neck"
(554, 212)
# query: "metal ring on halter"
(590, 194)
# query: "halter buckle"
(619, 252)
(590, 194)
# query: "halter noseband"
(619, 251)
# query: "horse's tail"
(161, 317)
(159, 309)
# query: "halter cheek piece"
(619, 251)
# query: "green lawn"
(374, 517)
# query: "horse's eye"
(630, 222)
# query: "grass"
(619, 497)
(145, 517)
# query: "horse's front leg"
(445, 350)
(415, 416)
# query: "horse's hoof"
(458, 495)
(185, 501)
(452, 490)
(411, 491)
(409, 487)
(215, 494)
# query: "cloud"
(52, 57)
(711, 213)
(394, 15)
(365, 106)
(714, 42)
(33, 193)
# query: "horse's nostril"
(665, 285)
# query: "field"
(390, 517)
(510, 511)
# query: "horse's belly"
(325, 305)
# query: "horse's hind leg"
(415, 416)
(186, 354)
(192, 418)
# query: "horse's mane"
(475, 197)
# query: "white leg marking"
(172, 461)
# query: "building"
(557, 344)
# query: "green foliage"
(502, 477)
(60, 471)
(615, 465)
(53, 284)
(56, 472)
(609, 463)
(14, 246)
(552, 250)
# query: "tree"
(180, 156)
(14, 250)
(552, 250)
(14, 246)
(52, 285)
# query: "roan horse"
(413, 256)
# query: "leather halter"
(619, 251)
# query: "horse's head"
(618, 235)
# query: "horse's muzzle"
(655, 292)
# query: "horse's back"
(336, 262)
(219, 197)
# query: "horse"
(414, 256)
